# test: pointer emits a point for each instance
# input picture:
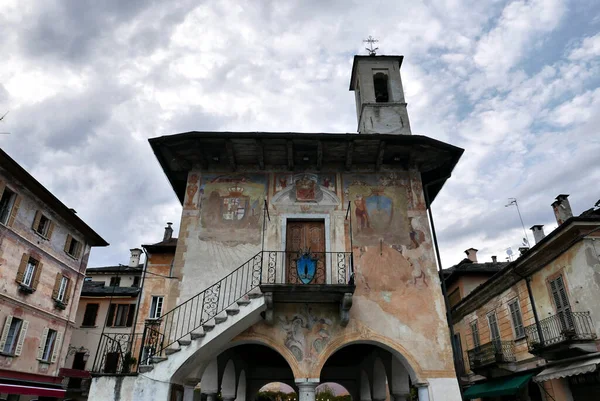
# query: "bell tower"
(380, 104)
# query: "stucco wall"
(398, 296)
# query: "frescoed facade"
(303, 259)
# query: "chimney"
(538, 232)
(562, 208)
(472, 254)
(168, 232)
(494, 259)
(523, 249)
(134, 260)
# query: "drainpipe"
(441, 275)
(139, 298)
(534, 309)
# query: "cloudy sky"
(516, 83)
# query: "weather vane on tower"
(371, 40)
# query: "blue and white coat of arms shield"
(306, 267)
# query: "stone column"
(423, 391)
(400, 397)
(213, 397)
(188, 393)
(306, 389)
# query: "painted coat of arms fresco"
(306, 334)
(232, 203)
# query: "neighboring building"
(44, 250)
(529, 329)
(157, 280)
(106, 312)
(302, 259)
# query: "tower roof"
(357, 59)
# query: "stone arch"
(228, 384)
(241, 387)
(379, 380)
(261, 339)
(365, 387)
(397, 350)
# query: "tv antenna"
(2, 118)
(371, 41)
(513, 202)
(509, 252)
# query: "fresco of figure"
(362, 215)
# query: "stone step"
(220, 319)
(232, 311)
(171, 351)
(183, 343)
(146, 368)
(255, 294)
(243, 302)
(208, 327)
(158, 359)
(197, 335)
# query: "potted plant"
(128, 362)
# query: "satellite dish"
(509, 252)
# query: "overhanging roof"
(294, 151)
(33, 185)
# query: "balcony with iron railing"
(492, 354)
(563, 334)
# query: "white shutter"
(21, 340)
(57, 347)
(5, 332)
(42, 343)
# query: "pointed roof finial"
(371, 40)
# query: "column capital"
(306, 389)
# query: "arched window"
(380, 82)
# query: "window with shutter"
(62, 288)
(156, 307)
(494, 330)
(7, 201)
(111, 315)
(21, 340)
(73, 247)
(56, 349)
(49, 345)
(475, 333)
(517, 319)
(42, 346)
(5, 331)
(29, 272)
(14, 211)
(21, 269)
(131, 315)
(561, 302)
(56, 288)
(89, 317)
(41, 224)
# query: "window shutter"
(22, 266)
(111, 315)
(5, 331)
(14, 211)
(57, 347)
(68, 243)
(36, 275)
(40, 354)
(56, 286)
(79, 249)
(50, 229)
(36, 220)
(67, 291)
(131, 315)
(21, 340)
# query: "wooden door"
(305, 238)
(563, 307)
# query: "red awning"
(30, 390)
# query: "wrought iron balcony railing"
(562, 327)
(492, 352)
(308, 267)
(117, 353)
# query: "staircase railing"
(192, 314)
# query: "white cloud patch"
(87, 83)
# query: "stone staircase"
(219, 330)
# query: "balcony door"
(305, 252)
